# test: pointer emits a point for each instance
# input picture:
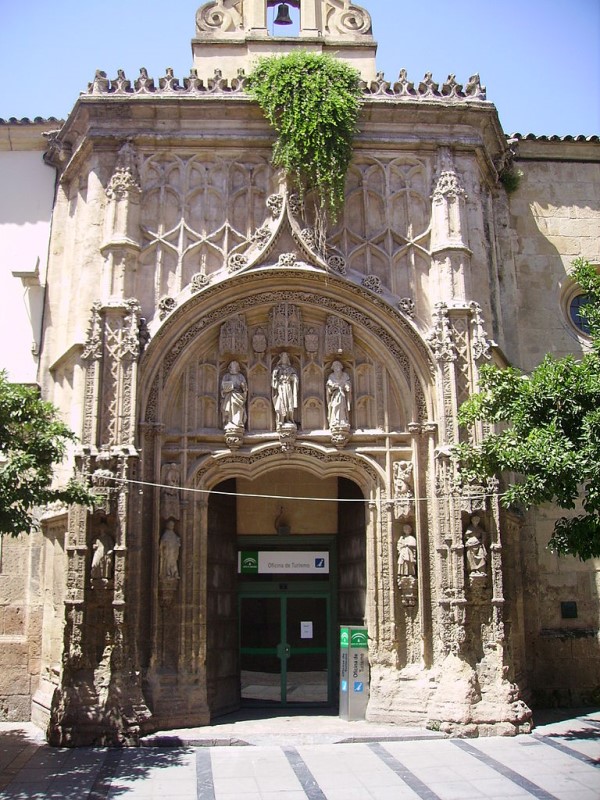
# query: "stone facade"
(181, 272)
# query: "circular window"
(576, 305)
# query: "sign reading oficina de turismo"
(264, 562)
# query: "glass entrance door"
(284, 649)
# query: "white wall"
(26, 197)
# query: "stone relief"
(285, 325)
(233, 336)
(219, 16)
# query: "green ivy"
(313, 102)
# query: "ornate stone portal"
(224, 349)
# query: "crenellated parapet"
(219, 84)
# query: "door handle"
(284, 651)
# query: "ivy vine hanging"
(312, 101)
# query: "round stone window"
(575, 306)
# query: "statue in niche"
(170, 544)
(103, 555)
(234, 392)
(338, 396)
(171, 508)
(407, 554)
(475, 549)
(284, 383)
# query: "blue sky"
(540, 59)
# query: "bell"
(283, 15)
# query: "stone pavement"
(314, 757)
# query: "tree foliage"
(313, 102)
(548, 432)
(32, 442)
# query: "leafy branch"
(548, 432)
(313, 102)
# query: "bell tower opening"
(283, 19)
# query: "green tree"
(32, 442)
(548, 432)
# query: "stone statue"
(284, 383)
(403, 494)
(103, 556)
(170, 543)
(338, 396)
(170, 492)
(234, 391)
(475, 549)
(407, 553)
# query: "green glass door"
(284, 649)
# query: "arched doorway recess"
(314, 323)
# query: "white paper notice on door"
(306, 630)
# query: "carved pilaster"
(449, 235)
(122, 232)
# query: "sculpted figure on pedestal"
(170, 543)
(474, 547)
(234, 391)
(407, 553)
(339, 392)
(284, 383)
(103, 557)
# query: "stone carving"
(125, 179)
(338, 336)
(199, 281)
(407, 566)
(169, 495)
(165, 306)
(287, 260)
(261, 237)
(403, 494)
(233, 337)
(284, 383)
(259, 342)
(347, 19)
(440, 337)
(311, 342)
(286, 325)
(407, 554)
(480, 343)
(448, 182)
(103, 555)
(407, 305)
(275, 204)
(337, 264)
(237, 261)
(476, 553)
(219, 16)
(373, 282)
(234, 392)
(338, 391)
(339, 396)
(170, 544)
